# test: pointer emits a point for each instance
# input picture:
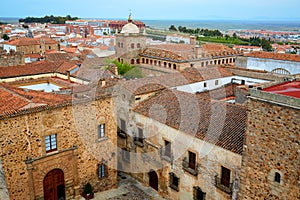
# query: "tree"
(172, 28)
(234, 36)
(266, 45)
(5, 37)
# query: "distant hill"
(48, 19)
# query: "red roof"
(37, 68)
(31, 41)
(291, 89)
(276, 56)
(14, 100)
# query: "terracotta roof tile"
(276, 56)
(36, 68)
(14, 100)
(213, 121)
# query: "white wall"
(8, 47)
(271, 64)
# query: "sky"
(157, 9)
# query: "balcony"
(224, 188)
(121, 133)
(186, 167)
(138, 141)
(166, 156)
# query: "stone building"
(32, 45)
(54, 144)
(184, 146)
(131, 48)
(181, 56)
(129, 42)
(10, 59)
(270, 164)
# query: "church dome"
(130, 27)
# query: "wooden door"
(153, 180)
(54, 188)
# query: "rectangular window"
(198, 193)
(204, 85)
(50, 142)
(126, 155)
(174, 181)
(101, 171)
(101, 131)
(167, 149)
(123, 125)
(140, 135)
(225, 176)
(192, 160)
(216, 82)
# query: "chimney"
(192, 40)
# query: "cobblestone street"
(128, 189)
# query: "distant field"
(222, 40)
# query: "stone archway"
(153, 180)
(54, 185)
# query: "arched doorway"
(54, 185)
(132, 61)
(153, 180)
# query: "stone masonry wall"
(272, 145)
(23, 138)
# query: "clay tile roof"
(31, 41)
(36, 68)
(58, 56)
(187, 76)
(198, 116)
(276, 56)
(14, 100)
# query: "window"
(126, 155)
(101, 171)
(139, 139)
(132, 45)
(122, 129)
(167, 149)
(138, 45)
(101, 131)
(198, 193)
(49, 47)
(225, 176)
(216, 82)
(50, 142)
(204, 85)
(192, 160)
(277, 177)
(174, 181)
(141, 135)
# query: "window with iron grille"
(51, 143)
(101, 131)
(101, 171)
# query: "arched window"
(138, 45)
(132, 45)
(277, 177)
